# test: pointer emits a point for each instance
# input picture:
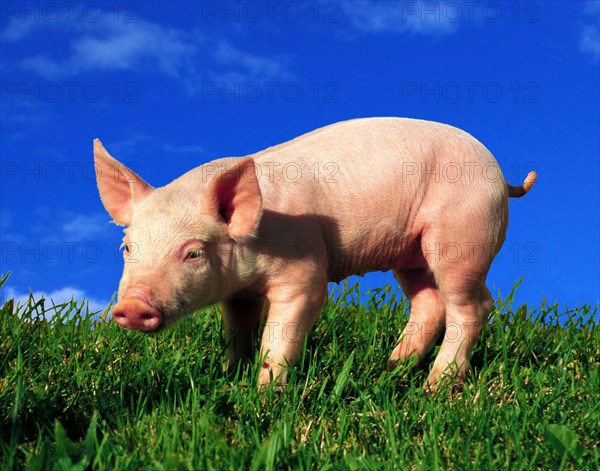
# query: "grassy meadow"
(79, 393)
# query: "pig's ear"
(120, 188)
(233, 196)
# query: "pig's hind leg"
(459, 257)
(427, 315)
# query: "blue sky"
(168, 86)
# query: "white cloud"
(419, 17)
(126, 147)
(50, 227)
(26, 23)
(254, 67)
(56, 297)
(18, 28)
(129, 46)
(84, 227)
(143, 46)
(590, 41)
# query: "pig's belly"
(382, 256)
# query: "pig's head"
(184, 245)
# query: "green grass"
(77, 393)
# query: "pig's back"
(371, 161)
(378, 182)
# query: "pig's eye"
(125, 247)
(194, 254)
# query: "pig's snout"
(134, 313)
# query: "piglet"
(265, 233)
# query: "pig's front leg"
(292, 314)
(241, 319)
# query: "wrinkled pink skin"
(423, 199)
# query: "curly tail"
(521, 190)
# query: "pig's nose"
(136, 314)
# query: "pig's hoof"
(452, 384)
(407, 363)
(430, 388)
